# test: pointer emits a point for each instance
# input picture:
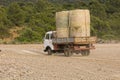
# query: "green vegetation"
(38, 16)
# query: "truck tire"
(85, 52)
(68, 52)
(49, 51)
(77, 52)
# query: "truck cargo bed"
(76, 40)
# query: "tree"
(4, 32)
(97, 9)
(16, 14)
(99, 27)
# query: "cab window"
(52, 36)
(47, 36)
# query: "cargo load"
(62, 24)
(79, 22)
(73, 23)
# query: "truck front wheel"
(49, 51)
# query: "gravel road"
(29, 62)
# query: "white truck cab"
(48, 45)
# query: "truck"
(68, 46)
(72, 34)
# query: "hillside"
(38, 16)
(7, 2)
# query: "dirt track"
(29, 62)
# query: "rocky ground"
(29, 62)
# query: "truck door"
(46, 41)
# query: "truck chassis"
(71, 48)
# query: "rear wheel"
(85, 53)
(49, 51)
(77, 52)
(68, 52)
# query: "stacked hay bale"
(79, 21)
(62, 24)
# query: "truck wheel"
(85, 53)
(68, 52)
(77, 52)
(49, 51)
